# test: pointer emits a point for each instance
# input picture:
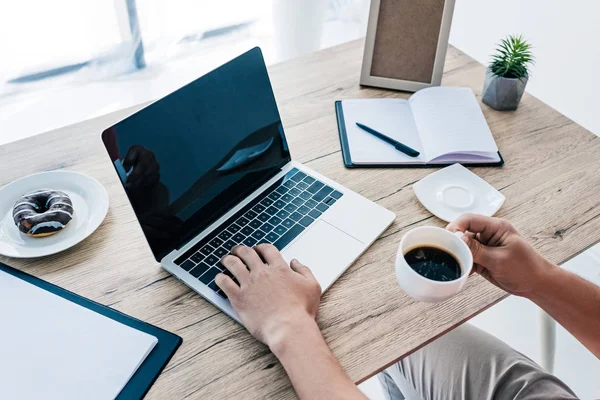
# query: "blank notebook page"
(450, 120)
(51, 348)
(393, 118)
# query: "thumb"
(130, 158)
(301, 269)
(482, 254)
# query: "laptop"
(208, 167)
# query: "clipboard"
(347, 157)
(145, 376)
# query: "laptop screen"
(188, 158)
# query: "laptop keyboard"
(277, 216)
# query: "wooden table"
(550, 180)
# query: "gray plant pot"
(503, 93)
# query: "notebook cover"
(347, 157)
(145, 376)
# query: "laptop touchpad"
(326, 250)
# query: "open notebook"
(445, 124)
(53, 348)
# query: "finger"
(302, 269)
(237, 268)
(227, 285)
(270, 254)
(477, 269)
(472, 223)
(138, 171)
(248, 257)
(131, 157)
(482, 254)
(486, 228)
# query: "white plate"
(455, 190)
(90, 202)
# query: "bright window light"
(38, 35)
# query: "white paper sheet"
(51, 348)
(393, 118)
(449, 121)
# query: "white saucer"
(90, 202)
(455, 190)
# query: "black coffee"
(433, 263)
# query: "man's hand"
(145, 170)
(500, 254)
(504, 258)
(278, 304)
(272, 299)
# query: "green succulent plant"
(512, 59)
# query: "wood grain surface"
(550, 180)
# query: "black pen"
(409, 151)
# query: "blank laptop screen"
(190, 157)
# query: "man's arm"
(504, 258)
(310, 365)
(573, 302)
(278, 304)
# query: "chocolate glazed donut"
(43, 212)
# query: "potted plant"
(507, 74)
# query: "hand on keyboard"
(278, 216)
(271, 297)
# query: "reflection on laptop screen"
(188, 158)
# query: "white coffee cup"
(417, 286)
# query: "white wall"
(566, 39)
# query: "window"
(53, 38)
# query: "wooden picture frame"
(406, 43)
